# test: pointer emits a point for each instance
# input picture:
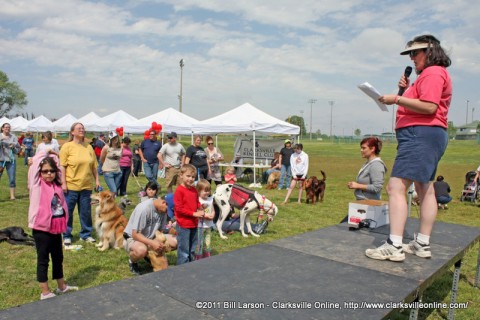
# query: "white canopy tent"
(170, 119)
(19, 124)
(111, 122)
(88, 118)
(40, 124)
(246, 119)
(64, 123)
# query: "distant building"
(468, 131)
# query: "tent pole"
(254, 160)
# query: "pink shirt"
(433, 85)
(126, 158)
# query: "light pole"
(311, 101)
(301, 112)
(466, 116)
(180, 97)
(331, 103)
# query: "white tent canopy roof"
(88, 118)
(111, 122)
(19, 124)
(246, 118)
(170, 119)
(64, 123)
(40, 124)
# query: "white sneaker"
(47, 296)
(66, 289)
(88, 239)
(386, 251)
(67, 241)
(418, 249)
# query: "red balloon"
(159, 128)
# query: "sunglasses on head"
(48, 171)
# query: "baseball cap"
(112, 134)
(172, 135)
(288, 141)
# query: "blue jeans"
(444, 199)
(28, 153)
(82, 199)
(11, 168)
(187, 241)
(151, 171)
(112, 179)
(285, 173)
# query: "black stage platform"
(322, 274)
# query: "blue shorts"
(419, 150)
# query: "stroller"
(471, 188)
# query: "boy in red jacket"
(187, 212)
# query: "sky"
(76, 56)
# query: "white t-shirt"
(205, 223)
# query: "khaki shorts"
(172, 177)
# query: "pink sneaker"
(47, 296)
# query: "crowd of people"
(62, 179)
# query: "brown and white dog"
(315, 188)
(273, 179)
(158, 259)
(227, 196)
(109, 221)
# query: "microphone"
(407, 73)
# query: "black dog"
(16, 235)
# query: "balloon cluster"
(155, 126)
(119, 131)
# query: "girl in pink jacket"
(47, 216)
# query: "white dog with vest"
(232, 195)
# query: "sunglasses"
(413, 53)
(48, 171)
(210, 143)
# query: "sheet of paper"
(373, 93)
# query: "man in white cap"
(172, 158)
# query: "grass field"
(341, 162)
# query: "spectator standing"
(214, 156)
(78, 164)
(9, 148)
(285, 171)
(28, 143)
(126, 165)
(47, 145)
(371, 176)
(110, 158)
(187, 211)
(172, 157)
(47, 216)
(442, 192)
(197, 156)
(299, 166)
(148, 151)
(98, 147)
(137, 161)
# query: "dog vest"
(240, 196)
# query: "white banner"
(264, 149)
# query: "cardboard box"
(375, 210)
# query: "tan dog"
(158, 259)
(109, 221)
(273, 179)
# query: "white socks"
(396, 240)
(423, 239)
